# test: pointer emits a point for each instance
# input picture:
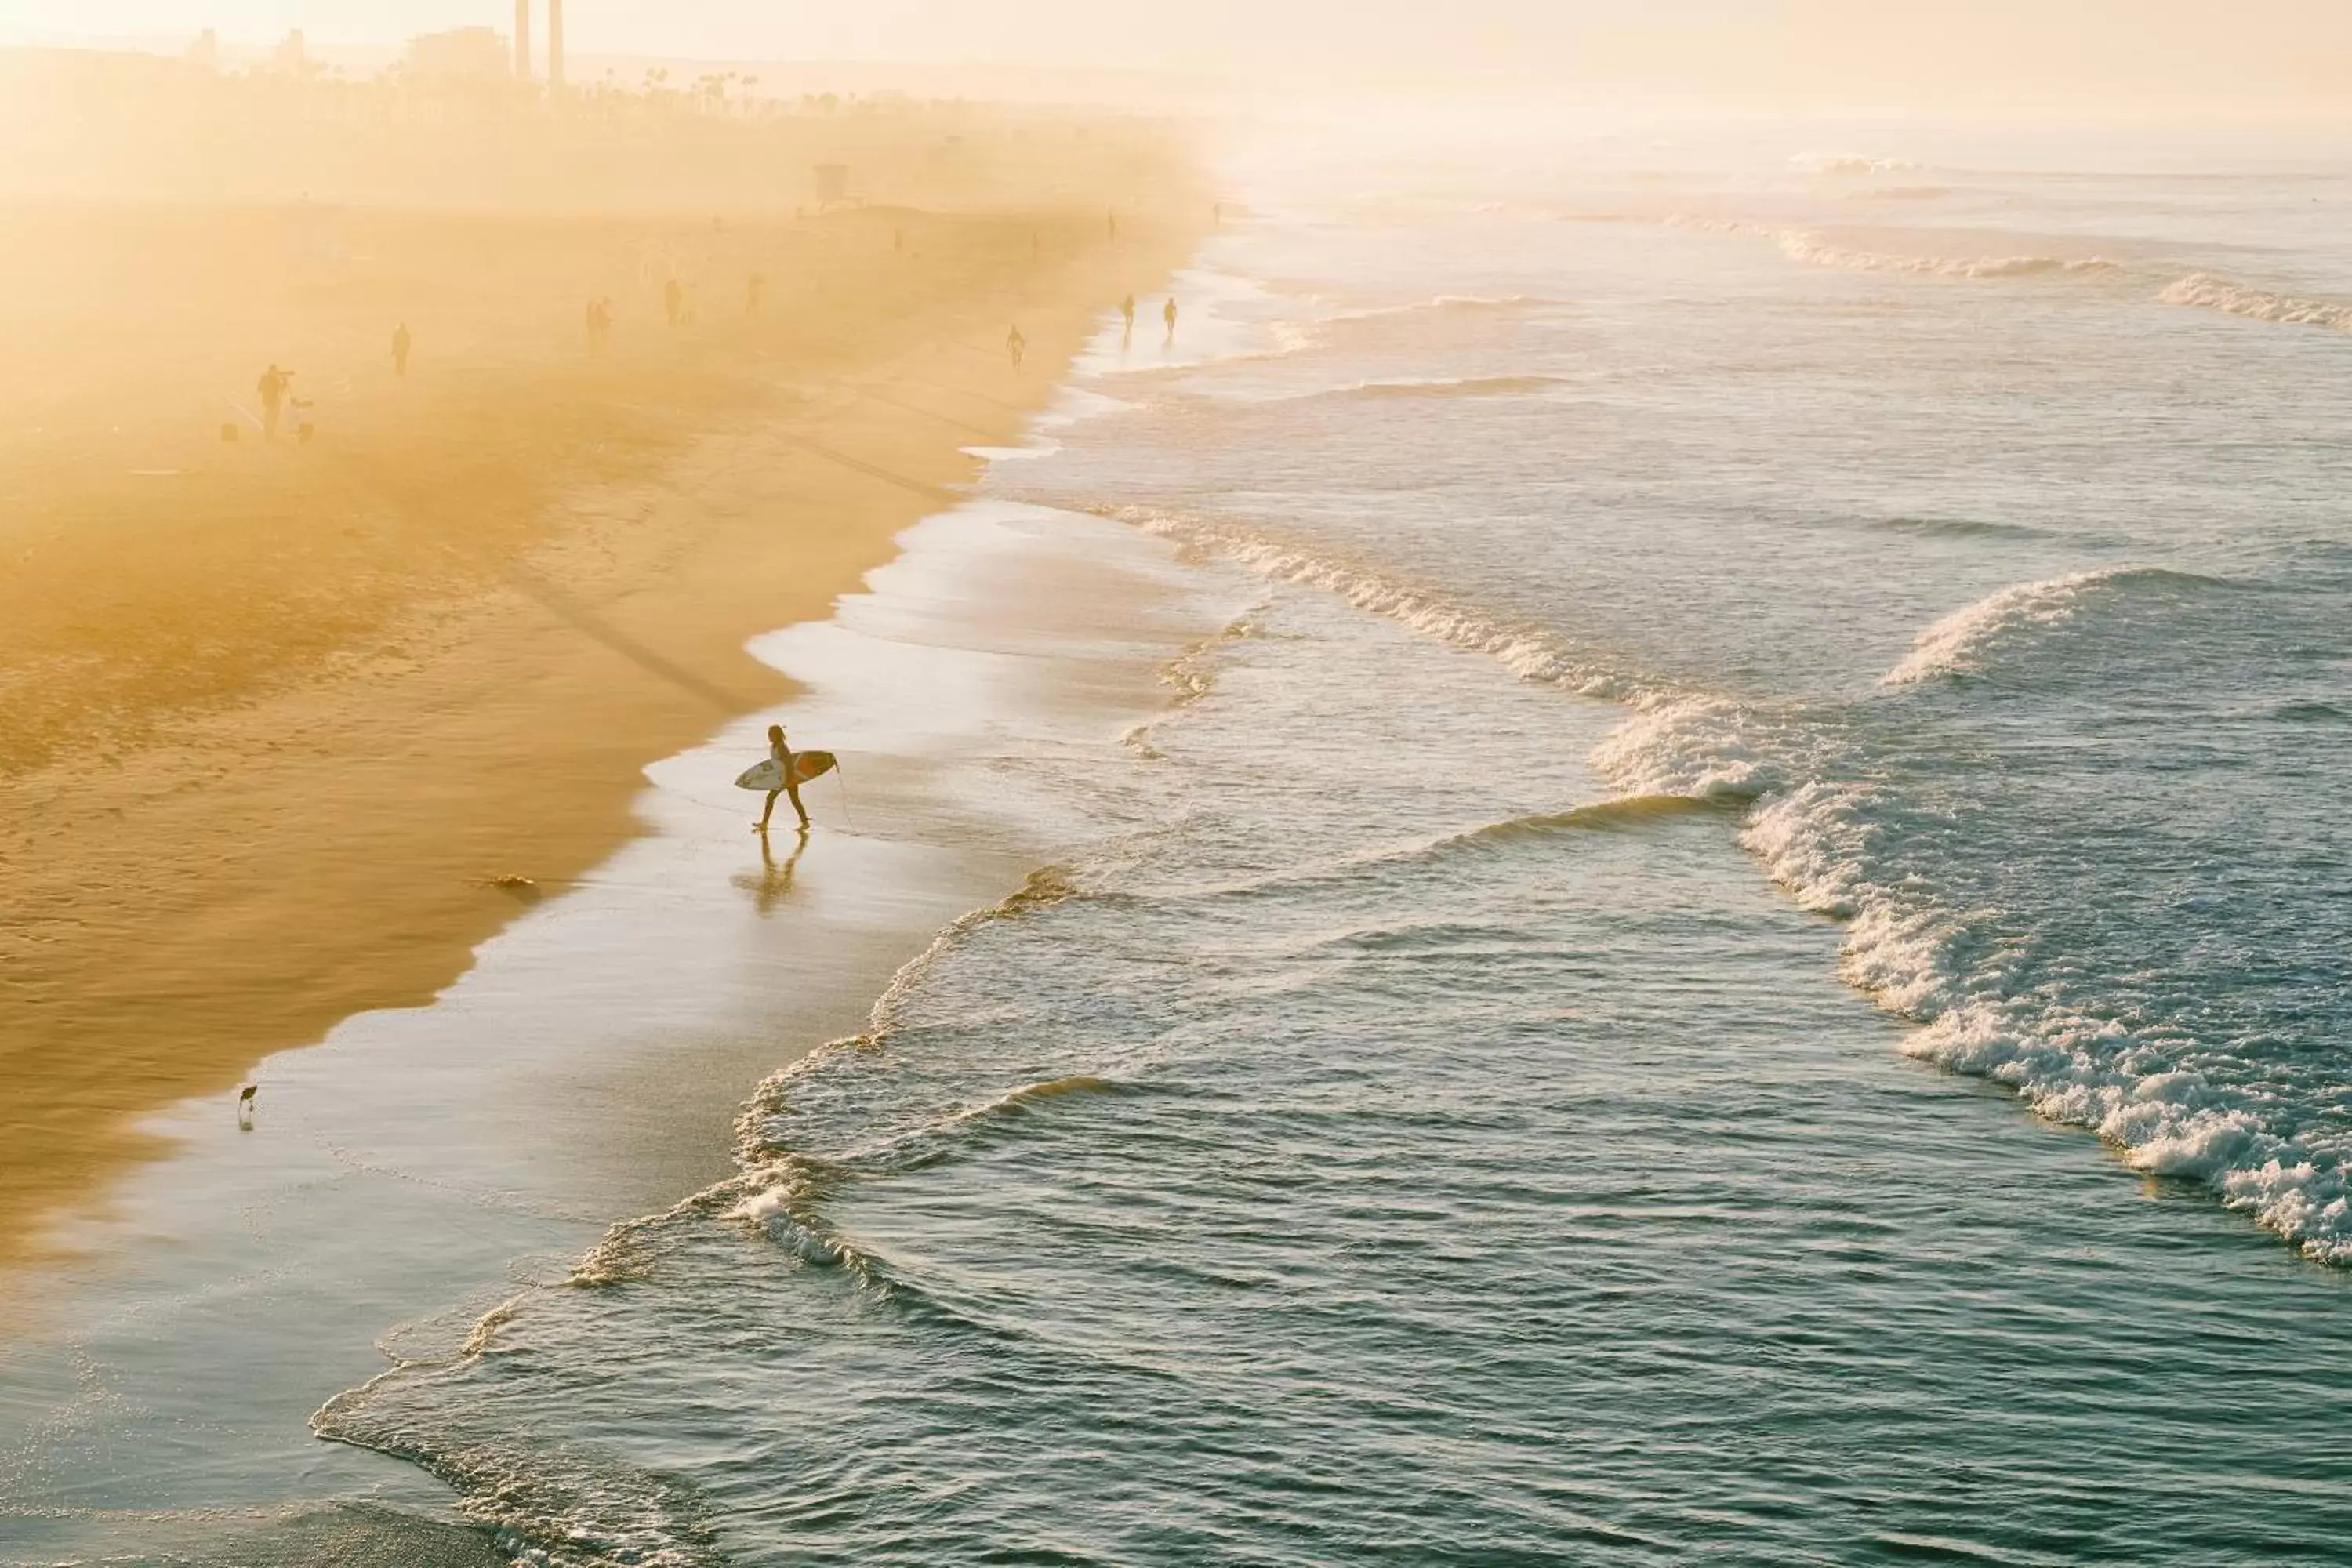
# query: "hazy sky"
(2142, 54)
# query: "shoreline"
(265, 869)
(421, 1165)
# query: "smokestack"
(554, 44)
(523, 40)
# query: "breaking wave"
(2203, 291)
(1970, 640)
(2070, 1064)
(1831, 842)
(1816, 248)
(1679, 740)
(1817, 252)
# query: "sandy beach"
(422, 1165)
(278, 716)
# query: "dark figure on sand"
(1168, 315)
(1127, 314)
(399, 341)
(273, 387)
(1016, 345)
(600, 325)
(783, 755)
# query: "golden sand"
(275, 717)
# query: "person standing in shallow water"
(1127, 314)
(399, 341)
(1168, 315)
(783, 752)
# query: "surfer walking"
(783, 752)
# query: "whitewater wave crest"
(1819, 834)
(1919, 962)
(2203, 290)
(1818, 252)
(1815, 249)
(1970, 640)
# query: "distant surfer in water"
(782, 753)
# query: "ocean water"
(1733, 944)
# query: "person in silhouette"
(1127, 314)
(272, 387)
(783, 752)
(673, 300)
(1168, 315)
(1016, 345)
(400, 341)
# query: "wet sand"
(279, 717)
(422, 1165)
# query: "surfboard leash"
(841, 782)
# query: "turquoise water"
(1737, 953)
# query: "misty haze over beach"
(1563, 784)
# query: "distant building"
(462, 54)
(291, 57)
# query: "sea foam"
(1826, 836)
(2203, 290)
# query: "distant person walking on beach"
(1127, 314)
(600, 325)
(751, 292)
(272, 386)
(782, 753)
(1168, 315)
(399, 341)
(673, 300)
(1016, 345)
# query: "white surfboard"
(769, 775)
